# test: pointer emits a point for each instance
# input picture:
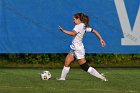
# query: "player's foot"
(103, 77)
(61, 79)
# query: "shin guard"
(85, 67)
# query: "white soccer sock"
(94, 72)
(65, 72)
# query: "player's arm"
(71, 33)
(97, 34)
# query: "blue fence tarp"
(30, 26)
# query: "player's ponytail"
(86, 20)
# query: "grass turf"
(19, 80)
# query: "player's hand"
(60, 28)
(102, 42)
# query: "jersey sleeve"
(77, 28)
(89, 29)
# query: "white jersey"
(77, 46)
(77, 41)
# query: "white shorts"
(79, 54)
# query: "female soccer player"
(81, 26)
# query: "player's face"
(76, 21)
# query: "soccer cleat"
(103, 77)
(61, 79)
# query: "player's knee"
(85, 67)
(67, 64)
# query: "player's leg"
(66, 68)
(80, 55)
(69, 59)
(90, 70)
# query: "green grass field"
(27, 80)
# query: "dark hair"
(83, 18)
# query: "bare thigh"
(82, 61)
(69, 59)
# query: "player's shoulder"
(80, 26)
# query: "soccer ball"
(45, 75)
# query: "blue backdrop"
(30, 26)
